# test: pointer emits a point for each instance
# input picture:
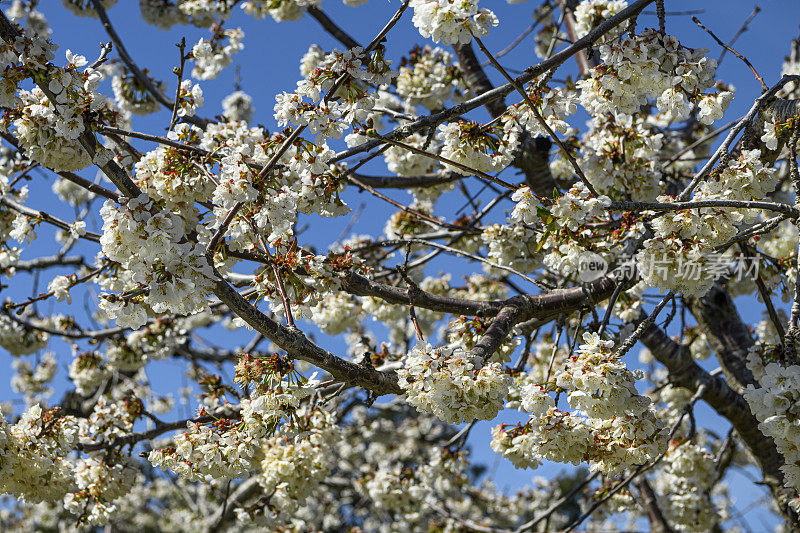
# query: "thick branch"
(777, 111)
(297, 345)
(727, 334)
(243, 492)
(331, 27)
(476, 77)
(114, 172)
(658, 524)
(504, 90)
(685, 372)
(543, 306)
(69, 176)
(407, 182)
(496, 333)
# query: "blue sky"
(269, 64)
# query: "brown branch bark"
(685, 372)
(41, 263)
(299, 346)
(407, 182)
(69, 176)
(776, 110)
(727, 334)
(331, 27)
(532, 72)
(132, 438)
(476, 77)
(658, 524)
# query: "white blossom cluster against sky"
(268, 64)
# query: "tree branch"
(531, 73)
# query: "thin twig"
(545, 13)
(47, 217)
(105, 49)
(331, 27)
(153, 138)
(786, 209)
(554, 507)
(456, 251)
(765, 296)
(748, 20)
(701, 140)
(178, 72)
(643, 326)
(610, 308)
(734, 52)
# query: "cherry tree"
(594, 316)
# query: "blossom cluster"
(190, 99)
(87, 372)
(33, 450)
(617, 429)
(553, 106)
(32, 380)
(99, 482)
(206, 451)
(132, 95)
(109, 419)
(577, 205)
(227, 448)
(452, 21)
(589, 13)
(238, 106)
(17, 339)
(171, 270)
(29, 17)
(280, 10)
(452, 384)
(329, 117)
(516, 245)
(295, 462)
(775, 404)
(689, 236)
(636, 142)
(429, 78)
(70, 192)
(82, 8)
(404, 162)
(686, 487)
(652, 66)
(156, 340)
(49, 122)
(211, 56)
(471, 145)
(173, 178)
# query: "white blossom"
(452, 384)
(452, 21)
